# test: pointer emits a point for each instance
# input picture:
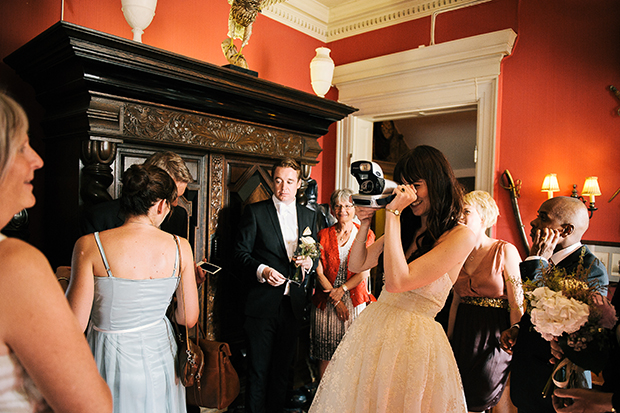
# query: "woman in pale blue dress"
(396, 357)
(122, 283)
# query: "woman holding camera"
(396, 357)
(123, 280)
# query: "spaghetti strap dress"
(133, 342)
(395, 358)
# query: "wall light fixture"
(550, 185)
(591, 189)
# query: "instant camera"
(375, 190)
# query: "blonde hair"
(173, 164)
(13, 121)
(485, 205)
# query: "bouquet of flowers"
(566, 307)
(307, 247)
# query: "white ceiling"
(330, 20)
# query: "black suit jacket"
(108, 215)
(259, 241)
(531, 353)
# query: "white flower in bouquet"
(307, 247)
(554, 314)
(307, 242)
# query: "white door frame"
(448, 75)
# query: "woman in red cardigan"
(341, 295)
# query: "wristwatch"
(393, 211)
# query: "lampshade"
(550, 185)
(590, 187)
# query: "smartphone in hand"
(209, 267)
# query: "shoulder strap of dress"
(177, 259)
(103, 257)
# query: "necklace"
(343, 235)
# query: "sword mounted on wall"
(514, 188)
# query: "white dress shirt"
(287, 216)
(559, 255)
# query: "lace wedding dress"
(395, 358)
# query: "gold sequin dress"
(395, 358)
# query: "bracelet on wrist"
(344, 287)
(396, 212)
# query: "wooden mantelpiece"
(69, 65)
(110, 101)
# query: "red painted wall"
(555, 112)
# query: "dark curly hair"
(445, 195)
(143, 186)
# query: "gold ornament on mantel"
(240, 20)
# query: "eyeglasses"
(347, 207)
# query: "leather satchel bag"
(190, 358)
(219, 385)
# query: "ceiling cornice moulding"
(354, 17)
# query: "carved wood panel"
(158, 124)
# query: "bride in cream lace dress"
(396, 357)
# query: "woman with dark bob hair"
(396, 357)
(122, 282)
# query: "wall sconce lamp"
(590, 188)
(550, 185)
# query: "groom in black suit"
(556, 235)
(268, 236)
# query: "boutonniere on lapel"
(307, 247)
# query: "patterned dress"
(326, 330)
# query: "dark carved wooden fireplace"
(110, 102)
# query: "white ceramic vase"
(139, 14)
(321, 71)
